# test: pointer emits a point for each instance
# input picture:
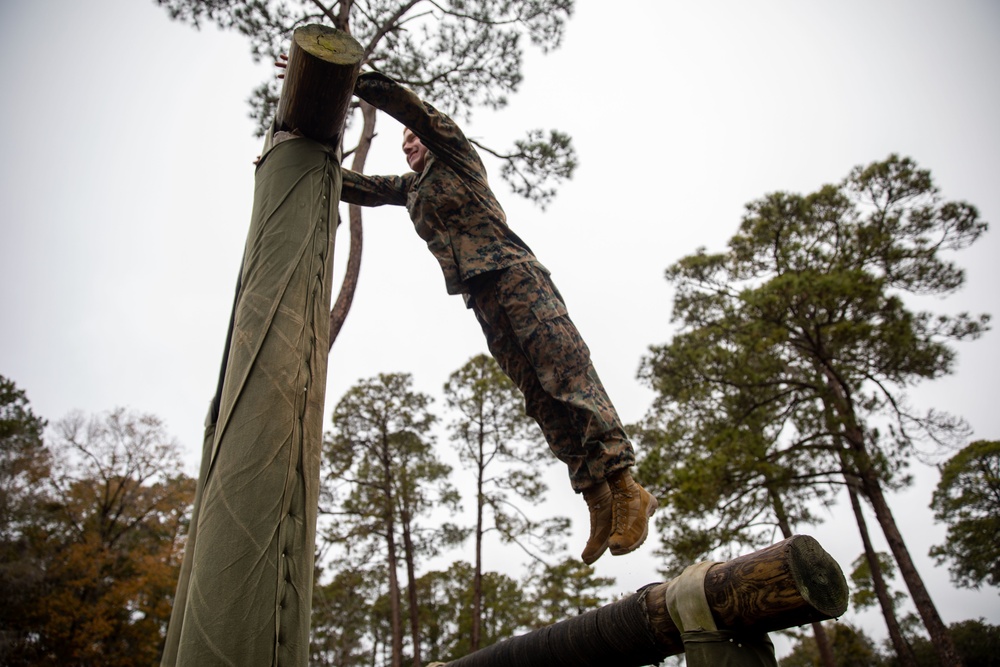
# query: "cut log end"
(323, 64)
(820, 580)
(753, 594)
(790, 583)
(329, 45)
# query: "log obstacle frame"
(791, 583)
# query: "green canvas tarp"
(244, 594)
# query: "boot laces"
(621, 498)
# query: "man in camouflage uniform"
(519, 308)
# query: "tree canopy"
(386, 478)
(459, 55)
(502, 446)
(804, 329)
(93, 526)
(967, 499)
(383, 481)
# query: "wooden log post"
(788, 584)
(323, 64)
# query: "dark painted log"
(791, 583)
(323, 64)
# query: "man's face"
(416, 152)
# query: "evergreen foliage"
(458, 55)
(795, 349)
(967, 499)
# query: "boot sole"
(620, 551)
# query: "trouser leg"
(534, 341)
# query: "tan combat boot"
(598, 499)
(631, 507)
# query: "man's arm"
(439, 133)
(375, 190)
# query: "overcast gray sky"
(126, 181)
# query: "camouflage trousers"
(531, 336)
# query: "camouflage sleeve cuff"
(383, 93)
(366, 190)
(439, 133)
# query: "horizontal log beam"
(791, 583)
(788, 584)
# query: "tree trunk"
(904, 651)
(346, 295)
(822, 639)
(854, 436)
(785, 585)
(938, 631)
(475, 636)
(395, 611)
(411, 581)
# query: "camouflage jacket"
(450, 202)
